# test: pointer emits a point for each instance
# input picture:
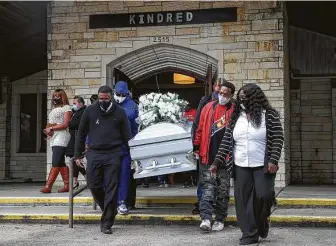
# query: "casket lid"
(161, 132)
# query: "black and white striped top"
(275, 139)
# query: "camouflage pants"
(215, 194)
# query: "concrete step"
(50, 214)
(155, 201)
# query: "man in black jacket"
(108, 129)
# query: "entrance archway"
(153, 59)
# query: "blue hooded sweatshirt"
(130, 107)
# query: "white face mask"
(119, 99)
(223, 100)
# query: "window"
(33, 119)
(44, 116)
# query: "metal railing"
(73, 194)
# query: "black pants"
(253, 198)
(131, 199)
(103, 171)
(77, 170)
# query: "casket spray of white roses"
(158, 107)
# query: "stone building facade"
(250, 49)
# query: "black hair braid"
(234, 116)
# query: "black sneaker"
(248, 240)
(106, 230)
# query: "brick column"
(5, 128)
(295, 137)
(333, 103)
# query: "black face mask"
(243, 103)
(57, 101)
(104, 104)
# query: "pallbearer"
(108, 129)
(123, 99)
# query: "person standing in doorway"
(93, 98)
(204, 101)
(78, 107)
(216, 189)
(252, 142)
(122, 97)
(107, 126)
(58, 133)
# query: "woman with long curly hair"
(250, 150)
(59, 136)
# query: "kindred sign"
(163, 18)
(160, 18)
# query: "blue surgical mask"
(75, 107)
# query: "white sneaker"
(218, 226)
(122, 209)
(205, 225)
(164, 185)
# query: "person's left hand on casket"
(196, 149)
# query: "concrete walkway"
(139, 235)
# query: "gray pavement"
(41, 235)
(309, 191)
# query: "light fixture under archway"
(182, 79)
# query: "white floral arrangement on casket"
(158, 107)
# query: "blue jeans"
(163, 179)
(199, 191)
(125, 177)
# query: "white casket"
(162, 148)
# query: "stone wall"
(312, 132)
(249, 50)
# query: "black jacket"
(73, 128)
(107, 131)
(204, 101)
